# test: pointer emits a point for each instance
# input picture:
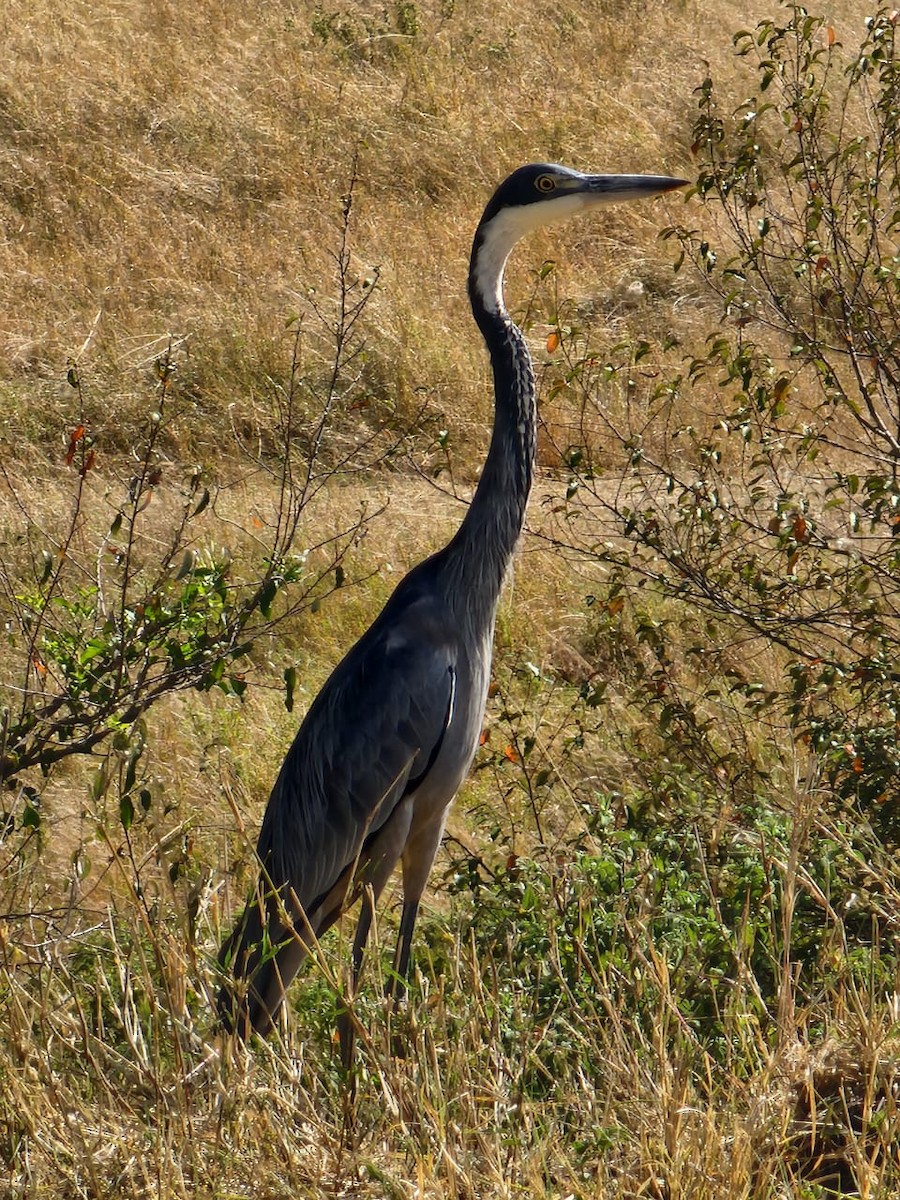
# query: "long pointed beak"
(611, 188)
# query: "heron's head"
(540, 194)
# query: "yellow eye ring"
(545, 183)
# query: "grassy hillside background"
(658, 957)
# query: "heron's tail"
(258, 961)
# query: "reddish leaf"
(74, 438)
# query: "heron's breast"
(451, 766)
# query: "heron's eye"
(545, 183)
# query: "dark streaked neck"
(484, 545)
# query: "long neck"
(484, 545)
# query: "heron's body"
(390, 737)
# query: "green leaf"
(187, 565)
(266, 596)
(100, 782)
(290, 683)
(126, 811)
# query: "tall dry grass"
(172, 173)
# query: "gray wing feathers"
(376, 726)
(370, 738)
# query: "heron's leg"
(345, 1022)
(396, 985)
(418, 859)
(380, 859)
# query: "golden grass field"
(172, 176)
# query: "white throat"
(502, 232)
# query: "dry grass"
(173, 174)
(110, 1083)
(177, 171)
